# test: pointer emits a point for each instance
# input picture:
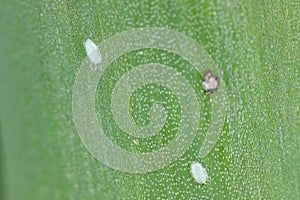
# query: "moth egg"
(210, 82)
(199, 173)
(136, 142)
(92, 51)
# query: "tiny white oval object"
(92, 51)
(199, 173)
(210, 82)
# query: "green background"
(255, 45)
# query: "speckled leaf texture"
(253, 44)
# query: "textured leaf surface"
(255, 45)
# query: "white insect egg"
(199, 173)
(92, 51)
(210, 82)
(136, 142)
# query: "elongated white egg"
(92, 51)
(199, 173)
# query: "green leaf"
(255, 47)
